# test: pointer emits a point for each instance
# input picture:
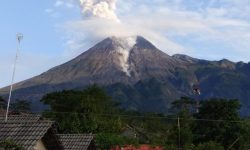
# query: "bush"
(109, 140)
(209, 146)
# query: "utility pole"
(19, 37)
(179, 135)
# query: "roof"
(2, 111)
(23, 133)
(21, 118)
(27, 130)
(75, 141)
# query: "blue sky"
(56, 31)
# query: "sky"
(56, 31)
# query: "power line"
(143, 116)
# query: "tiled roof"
(21, 118)
(25, 134)
(27, 130)
(75, 141)
(2, 112)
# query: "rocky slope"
(140, 76)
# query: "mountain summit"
(126, 60)
(140, 76)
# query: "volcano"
(140, 76)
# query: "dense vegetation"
(18, 106)
(217, 125)
(2, 103)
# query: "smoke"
(104, 9)
(100, 20)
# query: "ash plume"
(104, 9)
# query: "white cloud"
(58, 3)
(85, 33)
(163, 23)
(48, 10)
(66, 3)
(52, 13)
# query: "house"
(34, 133)
(30, 132)
(129, 132)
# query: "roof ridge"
(25, 121)
(23, 115)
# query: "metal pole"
(197, 103)
(19, 38)
(179, 136)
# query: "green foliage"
(150, 129)
(225, 129)
(209, 146)
(184, 103)
(9, 144)
(83, 111)
(181, 134)
(93, 111)
(2, 103)
(108, 140)
(21, 106)
(220, 109)
(244, 139)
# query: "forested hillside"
(217, 125)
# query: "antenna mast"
(19, 37)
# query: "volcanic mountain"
(140, 76)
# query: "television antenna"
(19, 37)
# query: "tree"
(109, 140)
(209, 146)
(244, 139)
(21, 106)
(183, 132)
(184, 103)
(219, 120)
(90, 110)
(2, 103)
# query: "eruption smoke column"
(104, 9)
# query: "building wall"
(39, 146)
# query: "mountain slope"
(140, 76)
